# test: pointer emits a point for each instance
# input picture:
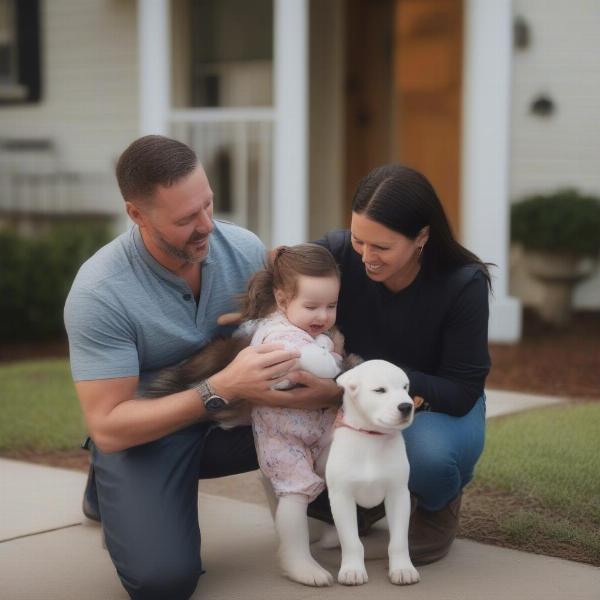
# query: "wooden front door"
(369, 134)
(427, 85)
(404, 78)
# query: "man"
(147, 300)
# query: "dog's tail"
(168, 381)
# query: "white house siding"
(563, 149)
(89, 105)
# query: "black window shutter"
(29, 48)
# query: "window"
(232, 53)
(19, 51)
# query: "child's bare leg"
(315, 527)
(296, 561)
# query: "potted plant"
(560, 235)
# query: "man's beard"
(181, 253)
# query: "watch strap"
(204, 389)
(211, 400)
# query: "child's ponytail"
(259, 300)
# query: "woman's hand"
(418, 402)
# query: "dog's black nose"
(405, 408)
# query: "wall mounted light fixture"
(542, 106)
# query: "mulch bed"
(14, 351)
(481, 520)
(558, 362)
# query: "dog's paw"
(353, 575)
(404, 576)
(306, 571)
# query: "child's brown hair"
(281, 273)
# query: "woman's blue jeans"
(442, 452)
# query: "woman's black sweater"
(435, 329)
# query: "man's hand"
(253, 371)
(316, 392)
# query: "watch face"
(215, 403)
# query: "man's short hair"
(152, 161)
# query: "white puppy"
(367, 464)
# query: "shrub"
(36, 274)
(559, 222)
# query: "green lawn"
(551, 454)
(537, 485)
(39, 407)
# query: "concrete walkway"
(47, 552)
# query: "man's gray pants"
(148, 504)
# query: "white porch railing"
(33, 182)
(235, 147)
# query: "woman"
(412, 295)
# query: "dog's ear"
(349, 383)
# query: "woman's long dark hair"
(282, 270)
(403, 200)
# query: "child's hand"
(338, 341)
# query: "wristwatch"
(212, 401)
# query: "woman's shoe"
(431, 533)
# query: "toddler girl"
(293, 302)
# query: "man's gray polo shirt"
(126, 315)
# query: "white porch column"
(290, 171)
(154, 65)
(485, 152)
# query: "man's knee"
(175, 581)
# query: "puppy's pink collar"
(339, 422)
